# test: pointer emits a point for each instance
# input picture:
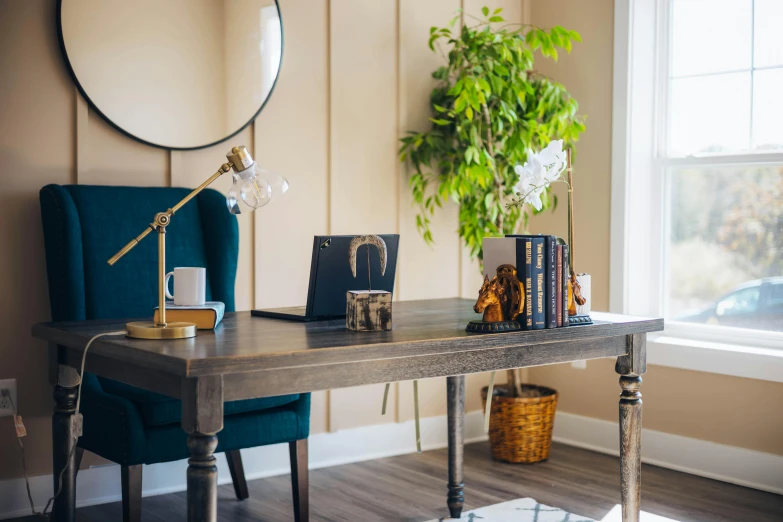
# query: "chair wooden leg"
(131, 493)
(299, 480)
(234, 459)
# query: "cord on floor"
(45, 514)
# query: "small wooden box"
(368, 310)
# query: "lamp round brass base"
(149, 330)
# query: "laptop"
(331, 278)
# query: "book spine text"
(539, 285)
(559, 284)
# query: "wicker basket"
(520, 428)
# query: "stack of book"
(206, 316)
(542, 266)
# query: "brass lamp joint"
(162, 220)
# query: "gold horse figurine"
(489, 301)
(502, 298)
(575, 296)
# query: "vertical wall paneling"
(291, 138)
(426, 271)
(327, 396)
(190, 169)
(114, 159)
(176, 168)
(81, 160)
(364, 169)
(431, 269)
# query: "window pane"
(710, 114)
(724, 261)
(710, 36)
(768, 109)
(769, 21)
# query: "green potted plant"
(490, 107)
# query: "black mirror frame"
(72, 73)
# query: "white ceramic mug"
(190, 286)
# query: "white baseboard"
(739, 466)
(98, 485)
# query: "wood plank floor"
(413, 488)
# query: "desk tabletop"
(243, 343)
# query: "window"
(723, 200)
(697, 226)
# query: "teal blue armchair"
(83, 227)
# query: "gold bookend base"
(501, 326)
(579, 320)
(149, 330)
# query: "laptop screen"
(331, 277)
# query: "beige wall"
(355, 75)
(728, 410)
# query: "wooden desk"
(255, 357)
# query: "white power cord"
(416, 419)
(45, 515)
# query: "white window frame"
(638, 199)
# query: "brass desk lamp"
(250, 186)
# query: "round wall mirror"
(179, 74)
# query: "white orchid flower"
(538, 172)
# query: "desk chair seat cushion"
(83, 227)
(159, 410)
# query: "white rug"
(519, 510)
(528, 510)
(616, 515)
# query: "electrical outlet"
(579, 365)
(6, 408)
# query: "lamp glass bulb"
(255, 187)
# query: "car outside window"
(740, 302)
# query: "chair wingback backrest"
(85, 225)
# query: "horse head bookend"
(489, 301)
(368, 310)
(502, 300)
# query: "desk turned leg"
(202, 478)
(202, 419)
(455, 389)
(631, 367)
(631, 446)
(64, 454)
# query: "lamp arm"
(162, 219)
